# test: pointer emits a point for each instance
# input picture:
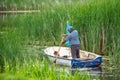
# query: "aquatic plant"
(96, 21)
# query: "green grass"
(96, 21)
(31, 4)
(41, 73)
(36, 67)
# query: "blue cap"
(70, 28)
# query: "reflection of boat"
(96, 71)
(87, 59)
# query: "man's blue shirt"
(73, 38)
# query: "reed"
(36, 71)
(31, 4)
(96, 21)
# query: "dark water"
(97, 73)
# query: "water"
(98, 73)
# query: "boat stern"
(86, 63)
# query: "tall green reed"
(31, 4)
(10, 47)
(96, 21)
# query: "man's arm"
(63, 42)
(64, 35)
(66, 39)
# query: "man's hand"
(63, 42)
(64, 35)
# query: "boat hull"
(74, 62)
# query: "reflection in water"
(90, 71)
(96, 73)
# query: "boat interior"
(65, 52)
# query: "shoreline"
(20, 11)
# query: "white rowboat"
(87, 59)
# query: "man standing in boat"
(74, 42)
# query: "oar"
(56, 53)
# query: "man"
(74, 42)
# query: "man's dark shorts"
(75, 51)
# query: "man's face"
(70, 31)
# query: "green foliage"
(97, 22)
(41, 71)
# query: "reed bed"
(31, 4)
(35, 66)
(96, 21)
